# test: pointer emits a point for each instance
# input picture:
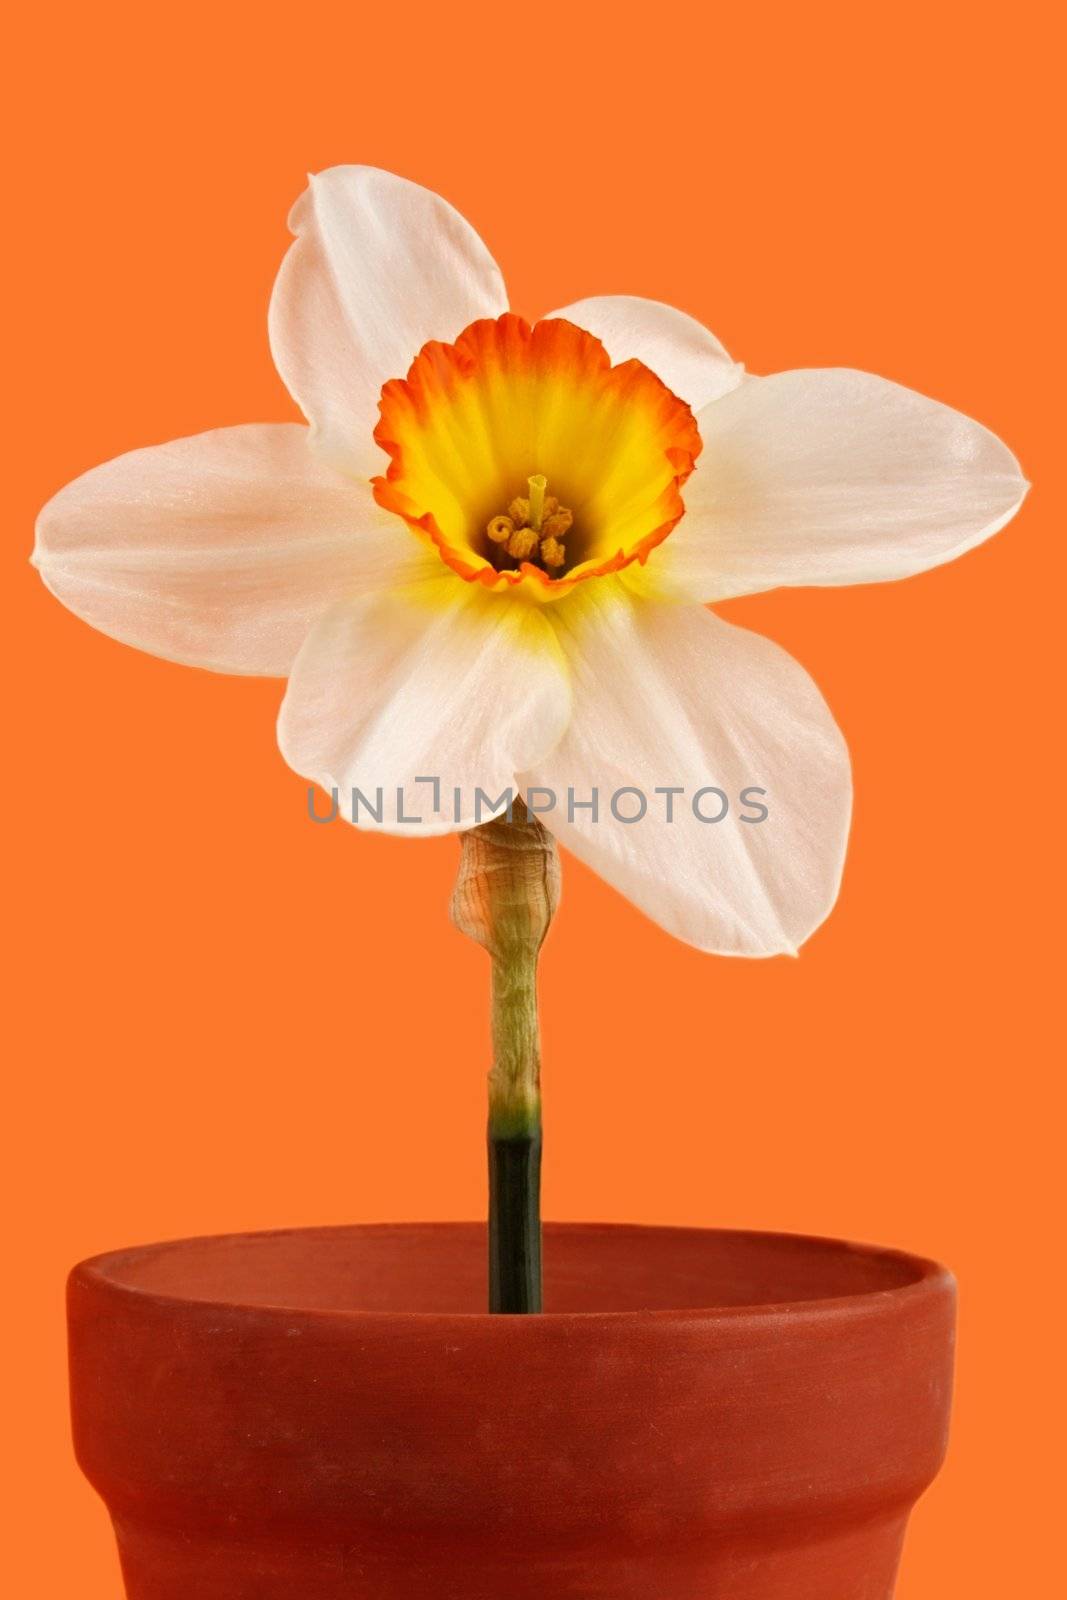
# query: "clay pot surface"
(328, 1414)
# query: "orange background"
(228, 1018)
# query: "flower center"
(471, 419)
(532, 529)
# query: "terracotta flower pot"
(327, 1415)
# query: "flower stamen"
(532, 529)
(522, 544)
(500, 529)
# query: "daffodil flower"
(488, 556)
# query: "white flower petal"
(677, 348)
(220, 550)
(441, 682)
(669, 695)
(380, 266)
(830, 477)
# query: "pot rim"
(928, 1276)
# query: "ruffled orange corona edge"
(473, 420)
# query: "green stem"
(515, 1224)
(506, 893)
(515, 1135)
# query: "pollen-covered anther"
(499, 529)
(519, 511)
(522, 544)
(557, 523)
(552, 553)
